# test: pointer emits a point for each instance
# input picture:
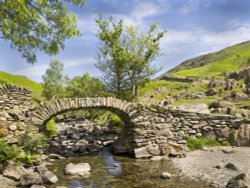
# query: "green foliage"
(199, 143)
(37, 25)
(54, 81)
(30, 146)
(125, 56)
(105, 117)
(14, 152)
(33, 142)
(51, 128)
(85, 86)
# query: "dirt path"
(209, 165)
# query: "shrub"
(51, 128)
(16, 153)
(194, 144)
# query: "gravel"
(210, 165)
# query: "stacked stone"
(15, 104)
(78, 137)
(203, 125)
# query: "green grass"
(21, 81)
(227, 60)
(161, 88)
(199, 143)
(194, 101)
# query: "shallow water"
(108, 171)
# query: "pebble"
(231, 166)
(166, 175)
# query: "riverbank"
(209, 165)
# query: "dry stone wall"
(162, 130)
(15, 106)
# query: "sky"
(194, 27)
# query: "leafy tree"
(109, 56)
(54, 81)
(125, 56)
(85, 86)
(33, 25)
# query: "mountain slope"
(208, 84)
(227, 60)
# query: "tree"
(54, 81)
(85, 86)
(33, 25)
(125, 56)
(109, 56)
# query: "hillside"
(220, 80)
(36, 88)
(227, 60)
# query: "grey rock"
(240, 137)
(200, 108)
(228, 150)
(80, 169)
(231, 166)
(166, 175)
(37, 186)
(49, 177)
(14, 171)
(153, 149)
(7, 183)
(31, 179)
(12, 127)
(239, 181)
(141, 153)
(41, 169)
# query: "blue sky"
(194, 27)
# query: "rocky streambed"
(85, 160)
(79, 137)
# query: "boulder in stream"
(80, 169)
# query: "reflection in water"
(76, 183)
(108, 171)
(113, 166)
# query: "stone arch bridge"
(149, 130)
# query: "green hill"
(178, 91)
(227, 60)
(36, 88)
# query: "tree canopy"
(54, 81)
(85, 86)
(125, 56)
(32, 25)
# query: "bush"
(194, 144)
(51, 128)
(105, 118)
(15, 153)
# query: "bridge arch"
(43, 113)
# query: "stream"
(108, 171)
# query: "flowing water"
(108, 171)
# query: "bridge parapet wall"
(160, 129)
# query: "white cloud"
(139, 12)
(192, 5)
(147, 9)
(203, 39)
(38, 71)
(78, 62)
